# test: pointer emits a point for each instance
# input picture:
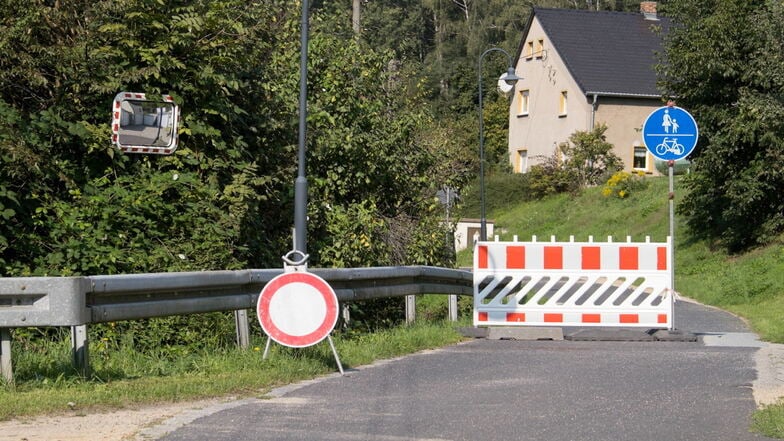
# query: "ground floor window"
(640, 161)
(522, 161)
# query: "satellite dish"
(504, 88)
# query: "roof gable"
(607, 53)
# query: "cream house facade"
(581, 69)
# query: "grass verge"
(769, 421)
(125, 378)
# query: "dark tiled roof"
(607, 53)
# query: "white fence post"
(79, 346)
(242, 328)
(452, 308)
(5, 355)
(410, 309)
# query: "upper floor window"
(562, 104)
(539, 48)
(529, 49)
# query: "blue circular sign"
(670, 133)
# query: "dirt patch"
(117, 425)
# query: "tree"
(372, 176)
(724, 63)
(224, 200)
(62, 65)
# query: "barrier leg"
(79, 346)
(242, 328)
(5, 355)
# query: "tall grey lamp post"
(301, 184)
(511, 78)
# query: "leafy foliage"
(391, 120)
(223, 201)
(724, 63)
(551, 177)
(92, 210)
(589, 158)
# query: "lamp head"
(511, 77)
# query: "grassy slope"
(751, 285)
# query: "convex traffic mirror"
(145, 124)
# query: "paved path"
(514, 390)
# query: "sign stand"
(298, 309)
(331, 345)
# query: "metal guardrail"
(80, 301)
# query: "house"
(580, 69)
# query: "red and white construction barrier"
(573, 284)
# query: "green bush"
(551, 177)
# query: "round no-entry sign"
(297, 309)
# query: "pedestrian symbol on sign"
(668, 121)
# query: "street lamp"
(511, 78)
(301, 183)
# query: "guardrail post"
(410, 309)
(452, 308)
(79, 346)
(346, 314)
(6, 368)
(242, 328)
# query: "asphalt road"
(515, 390)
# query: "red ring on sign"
(297, 341)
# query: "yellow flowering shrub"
(622, 183)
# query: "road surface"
(515, 390)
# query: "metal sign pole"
(670, 133)
(671, 168)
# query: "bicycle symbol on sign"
(671, 146)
